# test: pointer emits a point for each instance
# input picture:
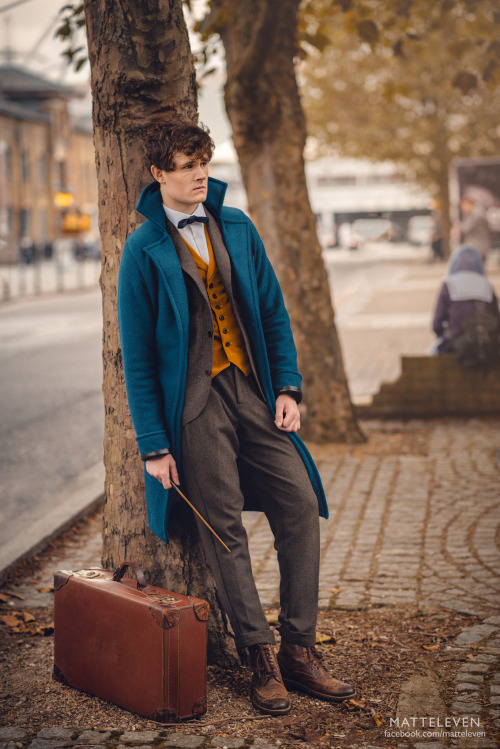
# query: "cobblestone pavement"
(419, 530)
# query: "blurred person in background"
(467, 319)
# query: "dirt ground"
(376, 650)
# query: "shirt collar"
(176, 216)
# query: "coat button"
(227, 343)
(207, 372)
(210, 285)
(225, 330)
(217, 306)
(221, 317)
(214, 296)
(210, 334)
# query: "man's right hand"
(163, 469)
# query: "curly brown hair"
(174, 137)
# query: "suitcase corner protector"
(200, 707)
(167, 715)
(61, 577)
(164, 618)
(58, 675)
(201, 611)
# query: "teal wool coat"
(153, 317)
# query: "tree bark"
(268, 124)
(142, 73)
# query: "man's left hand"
(287, 414)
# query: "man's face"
(186, 186)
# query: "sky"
(27, 30)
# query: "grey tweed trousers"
(231, 445)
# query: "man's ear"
(157, 174)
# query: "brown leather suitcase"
(138, 646)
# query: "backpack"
(478, 345)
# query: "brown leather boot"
(268, 693)
(302, 669)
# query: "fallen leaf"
(334, 590)
(3, 598)
(353, 704)
(28, 617)
(272, 618)
(376, 717)
(46, 589)
(15, 595)
(432, 647)
(10, 620)
(324, 638)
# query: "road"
(51, 429)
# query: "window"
(25, 166)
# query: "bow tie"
(185, 221)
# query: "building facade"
(48, 187)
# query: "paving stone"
(474, 634)
(467, 707)
(137, 736)
(495, 688)
(88, 737)
(496, 677)
(47, 743)
(136, 746)
(493, 620)
(468, 696)
(483, 658)
(466, 687)
(469, 678)
(262, 744)
(495, 700)
(54, 732)
(12, 733)
(227, 741)
(183, 740)
(474, 668)
(432, 745)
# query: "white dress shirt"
(194, 233)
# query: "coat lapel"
(186, 259)
(223, 262)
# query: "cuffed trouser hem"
(296, 638)
(264, 637)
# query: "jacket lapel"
(223, 262)
(186, 259)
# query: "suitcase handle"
(120, 571)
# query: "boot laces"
(314, 655)
(269, 660)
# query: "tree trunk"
(268, 125)
(444, 203)
(142, 73)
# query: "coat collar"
(151, 206)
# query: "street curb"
(80, 497)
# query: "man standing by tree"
(211, 374)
